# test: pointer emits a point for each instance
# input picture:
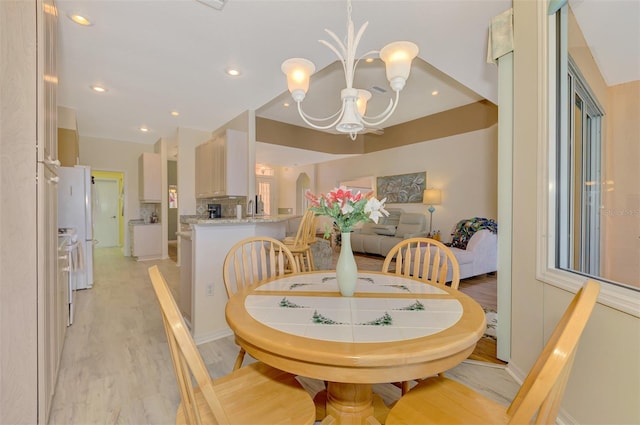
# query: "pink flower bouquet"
(347, 209)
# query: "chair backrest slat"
(305, 229)
(543, 388)
(187, 361)
(255, 259)
(424, 258)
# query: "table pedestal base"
(350, 404)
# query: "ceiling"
(154, 57)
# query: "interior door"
(106, 213)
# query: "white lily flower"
(375, 209)
(346, 208)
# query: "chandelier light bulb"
(361, 103)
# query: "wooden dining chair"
(253, 394)
(300, 245)
(440, 400)
(424, 258)
(253, 260)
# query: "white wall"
(463, 166)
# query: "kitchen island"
(203, 248)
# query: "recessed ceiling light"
(144, 129)
(368, 60)
(285, 104)
(175, 113)
(98, 89)
(434, 93)
(233, 72)
(80, 20)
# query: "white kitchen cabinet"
(146, 241)
(150, 177)
(222, 165)
(32, 327)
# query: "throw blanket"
(466, 228)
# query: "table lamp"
(431, 197)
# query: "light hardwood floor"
(116, 367)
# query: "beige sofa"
(379, 238)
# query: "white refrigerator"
(75, 210)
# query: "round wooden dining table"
(393, 329)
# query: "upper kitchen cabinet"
(48, 83)
(150, 177)
(222, 165)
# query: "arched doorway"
(303, 184)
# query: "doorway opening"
(108, 211)
(303, 184)
(172, 209)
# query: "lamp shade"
(298, 72)
(432, 197)
(397, 57)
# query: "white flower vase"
(346, 269)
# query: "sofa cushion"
(393, 218)
(410, 224)
(366, 229)
(384, 229)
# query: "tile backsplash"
(147, 209)
(227, 203)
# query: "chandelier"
(351, 118)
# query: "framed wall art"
(402, 188)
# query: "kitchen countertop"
(141, 222)
(233, 220)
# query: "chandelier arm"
(319, 119)
(338, 54)
(355, 65)
(359, 36)
(386, 113)
(351, 51)
(370, 52)
(381, 114)
(306, 118)
(338, 42)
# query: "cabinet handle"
(50, 161)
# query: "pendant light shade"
(298, 73)
(397, 57)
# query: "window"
(579, 156)
(592, 217)
(265, 182)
